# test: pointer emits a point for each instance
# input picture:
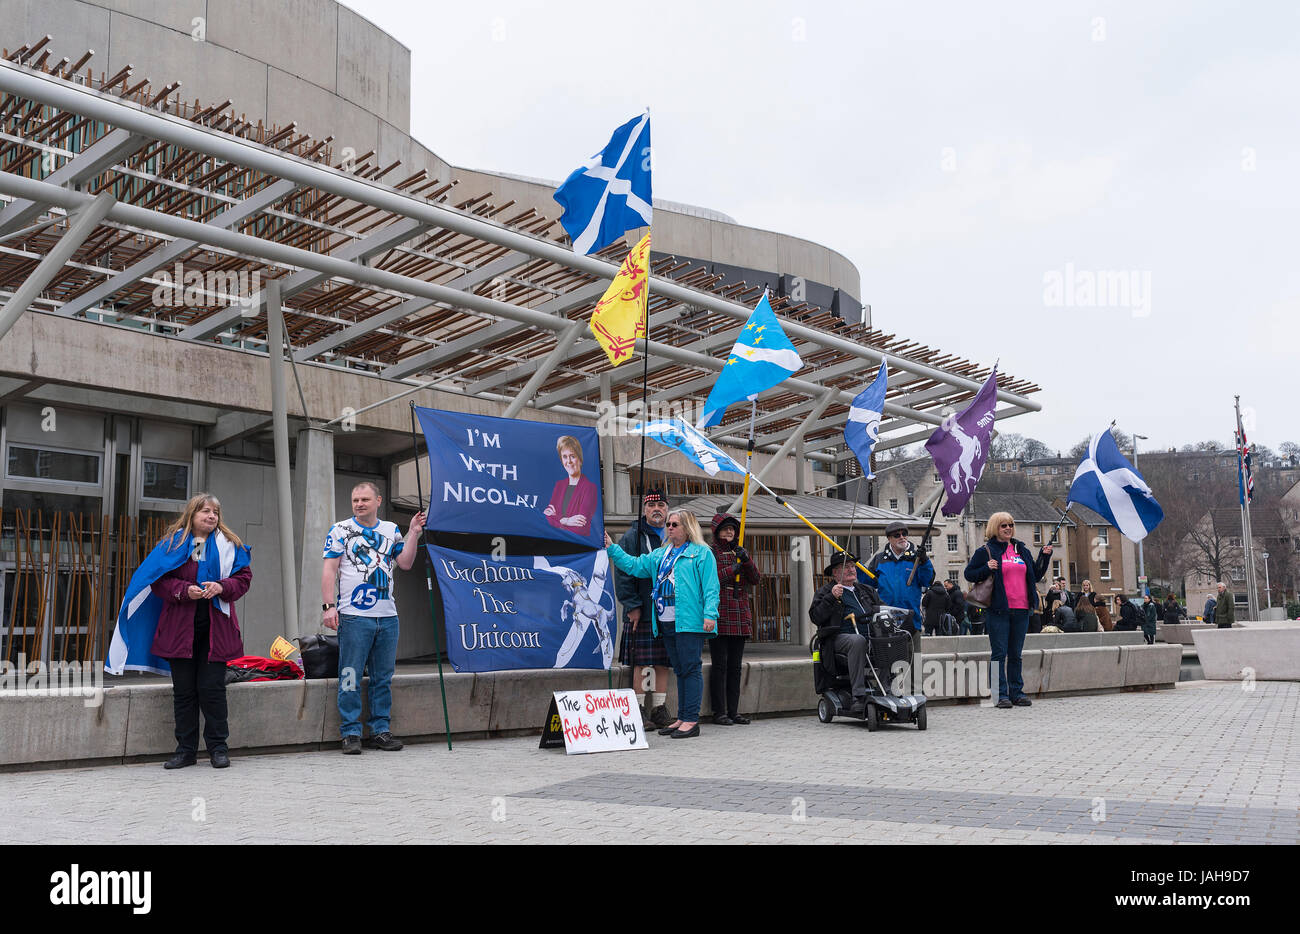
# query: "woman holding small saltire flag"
(179, 612)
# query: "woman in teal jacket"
(684, 607)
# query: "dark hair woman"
(1015, 574)
(737, 573)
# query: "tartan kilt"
(642, 648)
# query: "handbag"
(320, 655)
(981, 595)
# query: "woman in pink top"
(1015, 574)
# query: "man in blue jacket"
(892, 568)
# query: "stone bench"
(1263, 651)
(1179, 633)
(136, 719)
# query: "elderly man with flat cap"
(893, 567)
(835, 608)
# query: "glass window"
(952, 576)
(893, 504)
(952, 544)
(1056, 568)
(1239, 574)
(1103, 568)
(911, 503)
(1038, 535)
(164, 480)
(47, 464)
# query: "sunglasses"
(1007, 525)
(898, 535)
(671, 525)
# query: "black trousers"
(726, 653)
(198, 684)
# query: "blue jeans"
(366, 644)
(1006, 640)
(684, 650)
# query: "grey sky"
(961, 155)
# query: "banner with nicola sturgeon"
(505, 476)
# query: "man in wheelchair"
(835, 610)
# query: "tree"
(1210, 445)
(1289, 449)
(1124, 441)
(1011, 445)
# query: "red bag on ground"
(256, 668)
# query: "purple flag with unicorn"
(961, 446)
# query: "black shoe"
(693, 731)
(668, 731)
(723, 721)
(1023, 702)
(180, 760)
(859, 707)
(220, 759)
(740, 720)
(385, 741)
(352, 745)
(1004, 704)
(659, 717)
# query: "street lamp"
(1142, 571)
(1267, 592)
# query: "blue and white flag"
(1107, 484)
(762, 357)
(675, 433)
(862, 429)
(610, 195)
(137, 619)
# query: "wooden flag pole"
(749, 456)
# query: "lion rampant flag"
(619, 318)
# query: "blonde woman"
(179, 614)
(683, 607)
(1015, 574)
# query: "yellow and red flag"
(619, 318)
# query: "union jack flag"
(1245, 482)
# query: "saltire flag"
(675, 433)
(1245, 482)
(761, 358)
(862, 430)
(960, 446)
(610, 195)
(1108, 485)
(137, 620)
(619, 318)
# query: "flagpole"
(749, 456)
(1252, 599)
(826, 538)
(645, 417)
(925, 539)
(428, 578)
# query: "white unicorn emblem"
(970, 450)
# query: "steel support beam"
(356, 253)
(283, 474)
(562, 345)
(227, 219)
(102, 155)
(58, 93)
(468, 281)
(88, 217)
(795, 438)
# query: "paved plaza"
(1207, 762)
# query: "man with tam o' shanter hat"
(834, 610)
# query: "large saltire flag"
(762, 357)
(960, 446)
(1107, 484)
(675, 433)
(610, 195)
(862, 430)
(619, 318)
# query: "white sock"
(657, 700)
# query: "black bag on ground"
(320, 655)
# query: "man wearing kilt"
(641, 650)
